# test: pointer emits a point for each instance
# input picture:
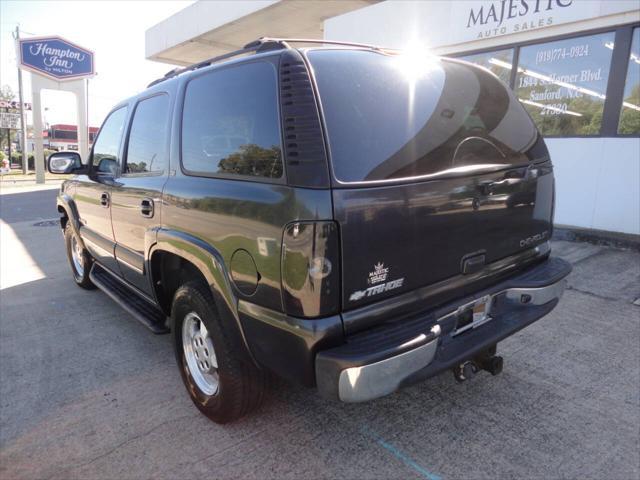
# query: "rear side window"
(107, 146)
(148, 136)
(230, 123)
(396, 117)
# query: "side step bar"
(143, 311)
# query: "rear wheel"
(222, 381)
(80, 260)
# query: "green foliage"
(139, 167)
(589, 121)
(16, 157)
(630, 117)
(253, 160)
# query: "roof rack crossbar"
(260, 45)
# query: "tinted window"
(393, 117)
(563, 84)
(106, 147)
(499, 62)
(147, 138)
(630, 114)
(230, 122)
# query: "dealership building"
(574, 64)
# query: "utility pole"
(23, 116)
(8, 138)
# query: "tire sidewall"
(184, 303)
(83, 279)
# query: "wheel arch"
(69, 212)
(177, 257)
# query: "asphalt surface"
(16, 206)
(87, 392)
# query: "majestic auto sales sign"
(484, 19)
(56, 58)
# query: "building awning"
(206, 29)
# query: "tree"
(6, 93)
(253, 159)
(630, 117)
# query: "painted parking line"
(397, 453)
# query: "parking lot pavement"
(32, 202)
(86, 392)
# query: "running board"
(125, 296)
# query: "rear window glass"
(395, 117)
(230, 122)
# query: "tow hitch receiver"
(465, 371)
(487, 360)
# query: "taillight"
(310, 269)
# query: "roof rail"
(286, 41)
(262, 44)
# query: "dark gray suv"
(344, 216)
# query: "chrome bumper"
(359, 384)
(367, 382)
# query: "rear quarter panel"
(234, 214)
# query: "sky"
(114, 30)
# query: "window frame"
(623, 80)
(92, 169)
(623, 35)
(271, 60)
(125, 147)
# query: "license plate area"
(472, 315)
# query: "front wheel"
(79, 259)
(222, 381)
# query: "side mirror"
(64, 162)
(108, 165)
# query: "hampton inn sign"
(56, 64)
(56, 58)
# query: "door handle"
(146, 207)
(104, 199)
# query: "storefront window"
(630, 114)
(499, 62)
(563, 84)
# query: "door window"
(148, 135)
(230, 123)
(107, 146)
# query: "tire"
(79, 259)
(237, 387)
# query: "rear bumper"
(378, 361)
